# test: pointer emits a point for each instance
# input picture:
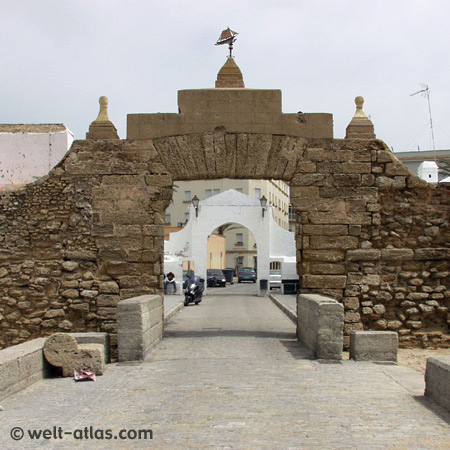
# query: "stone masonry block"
(324, 281)
(373, 345)
(62, 350)
(21, 365)
(397, 254)
(437, 380)
(94, 338)
(320, 323)
(139, 326)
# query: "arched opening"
(236, 257)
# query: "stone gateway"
(369, 233)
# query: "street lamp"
(195, 202)
(263, 201)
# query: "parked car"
(215, 277)
(247, 274)
(275, 279)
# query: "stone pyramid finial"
(360, 127)
(230, 76)
(102, 127)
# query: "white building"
(423, 163)
(274, 244)
(241, 246)
(29, 151)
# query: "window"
(208, 193)
(187, 196)
(216, 191)
(167, 219)
(239, 190)
(291, 213)
(239, 238)
(257, 193)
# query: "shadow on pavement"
(220, 332)
(433, 407)
(296, 349)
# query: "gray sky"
(59, 56)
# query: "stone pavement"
(172, 304)
(230, 375)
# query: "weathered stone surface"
(320, 325)
(139, 326)
(96, 224)
(70, 293)
(397, 254)
(62, 350)
(335, 242)
(432, 254)
(373, 345)
(51, 313)
(363, 255)
(324, 281)
(70, 266)
(437, 381)
(324, 255)
(109, 287)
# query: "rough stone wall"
(81, 239)
(369, 233)
(374, 236)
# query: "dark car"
(247, 274)
(215, 277)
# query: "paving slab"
(230, 375)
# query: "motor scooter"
(194, 290)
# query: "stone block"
(94, 338)
(363, 255)
(334, 242)
(324, 255)
(373, 345)
(22, 365)
(139, 326)
(397, 254)
(62, 350)
(424, 254)
(325, 230)
(320, 323)
(437, 380)
(324, 281)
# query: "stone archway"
(230, 206)
(369, 233)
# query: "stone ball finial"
(359, 101)
(103, 113)
(360, 127)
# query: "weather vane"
(227, 37)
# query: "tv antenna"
(227, 37)
(425, 91)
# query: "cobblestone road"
(230, 375)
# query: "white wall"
(231, 207)
(26, 156)
(428, 171)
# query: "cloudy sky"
(59, 56)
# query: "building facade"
(30, 151)
(241, 249)
(414, 160)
